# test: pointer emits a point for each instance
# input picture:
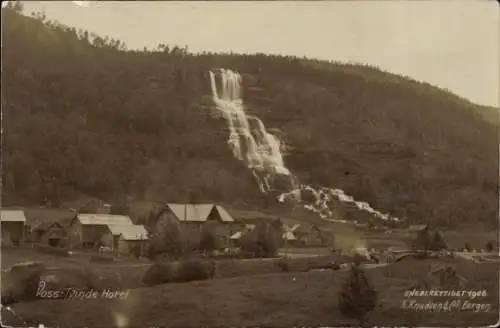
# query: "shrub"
(489, 246)
(157, 274)
(437, 242)
(167, 241)
(208, 242)
(357, 297)
(262, 241)
(191, 270)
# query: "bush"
(191, 270)
(157, 274)
(437, 242)
(208, 242)
(262, 241)
(489, 246)
(357, 297)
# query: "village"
(210, 230)
(54, 255)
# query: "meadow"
(271, 299)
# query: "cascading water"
(248, 138)
(261, 151)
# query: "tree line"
(87, 116)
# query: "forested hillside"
(84, 116)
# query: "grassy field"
(128, 272)
(273, 299)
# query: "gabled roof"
(198, 212)
(291, 228)
(416, 227)
(191, 212)
(129, 231)
(12, 216)
(224, 215)
(44, 226)
(104, 219)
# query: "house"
(12, 226)
(288, 238)
(416, 229)
(417, 232)
(311, 235)
(236, 237)
(250, 230)
(126, 238)
(51, 233)
(191, 218)
(86, 230)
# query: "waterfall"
(261, 151)
(248, 139)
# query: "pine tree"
(437, 242)
(357, 297)
(423, 242)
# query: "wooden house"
(51, 233)
(310, 235)
(191, 218)
(13, 226)
(87, 230)
(125, 238)
(238, 235)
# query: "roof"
(12, 216)
(43, 226)
(305, 229)
(224, 215)
(236, 235)
(239, 234)
(417, 227)
(104, 219)
(250, 227)
(129, 231)
(288, 235)
(198, 212)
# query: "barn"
(51, 233)
(87, 230)
(126, 238)
(12, 226)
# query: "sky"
(452, 44)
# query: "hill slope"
(85, 117)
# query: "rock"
(21, 282)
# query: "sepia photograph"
(250, 164)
